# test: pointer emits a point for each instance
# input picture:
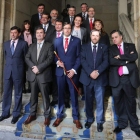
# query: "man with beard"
(94, 61)
(54, 17)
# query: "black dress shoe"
(54, 103)
(88, 124)
(99, 127)
(14, 120)
(2, 117)
(117, 130)
(67, 105)
(137, 132)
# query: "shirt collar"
(84, 13)
(59, 32)
(94, 44)
(67, 37)
(45, 25)
(14, 41)
(40, 42)
(121, 44)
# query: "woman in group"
(78, 31)
(98, 24)
(26, 35)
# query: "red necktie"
(91, 26)
(120, 70)
(66, 44)
(58, 35)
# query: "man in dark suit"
(56, 34)
(68, 49)
(88, 23)
(70, 17)
(94, 61)
(84, 13)
(124, 79)
(14, 53)
(39, 59)
(49, 29)
(36, 18)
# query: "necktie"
(45, 28)
(94, 54)
(84, 16)
(120, 70)
(12, 47)
(58, 35)
(40, 18)
(38, 50)
(71, 20)
(91, 26)
(66, 44)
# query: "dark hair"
(44, 13)
(95, 30)
(66, 23)
(72, 7)
(39, 28)
(16, 28)
(23, 26)
(41, 4)
(59, 20)
(84, 4)
(118, 31)
(68, 5)
(79, 16)
(102, 29)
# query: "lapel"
(82, 32)
(98, 51)
(17, 47)
(61, 44)
(42, 49)
(9, 47)
(89, 51)
(116, 50)
(70, 44)
(35, 52)
(125, 47)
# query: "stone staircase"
(66, 130)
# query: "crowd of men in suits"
(86, 58)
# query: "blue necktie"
(12, 47)
(94, 54)
(45, 28)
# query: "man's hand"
(71, 73)
(117, 57)
(35, 70)
(61, 64)
(94, 74)
(131, 52)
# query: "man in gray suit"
(39, 59)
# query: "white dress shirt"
(41, 44)
(47, 25)
(15, 44)
(84, 14)
(125, 69)
(72, 18)
(60, 33)
(93, 47)
(92, 20)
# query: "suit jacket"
(14, 64)
(43, 64)
(71, 58)
(83, 34)
(35, 21)
(67, 19)
(80, 14)
(116, 63)
(86, 24)
(49, 32)
(87, 63)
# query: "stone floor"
(7, 130)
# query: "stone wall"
(106, 10)
(26, 8)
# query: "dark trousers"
(7, 96)
(37, 86)
(125, 104)
(61, 82)
(98, 91)
(54, 91)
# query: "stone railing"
(126, 28)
